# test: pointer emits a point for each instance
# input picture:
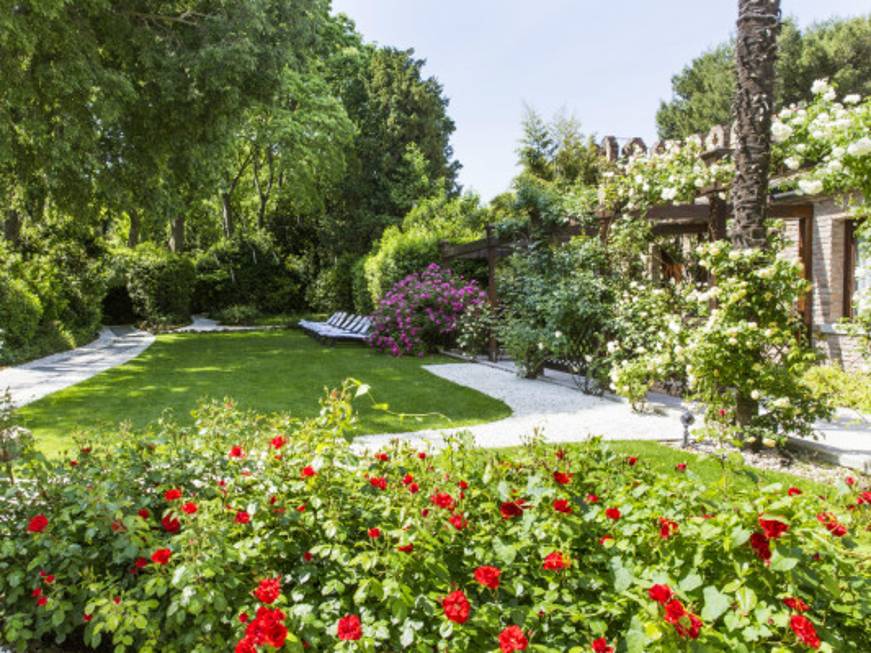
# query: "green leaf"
(505, 552)
(716, 603)
(780, 562)
(691, 582)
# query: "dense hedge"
(264, 531)
(331, 289)
(249, 269)
(160, 284)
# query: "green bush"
(844, 389)
(360, 294)
(332, 288)
(237, 314)
(160, 284)
(20, 313)
(255, 529)
(248, 269)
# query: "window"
(857, 268)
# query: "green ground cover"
(265, 371)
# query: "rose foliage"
(138, 546)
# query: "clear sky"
(608, 62)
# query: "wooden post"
(491, 288)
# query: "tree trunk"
(135, 225)
(12, 226)
(176, 236)
(755, 55)
(227, 215)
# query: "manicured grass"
(663, 459)
(263, 370)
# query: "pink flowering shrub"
(422, 311)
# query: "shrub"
(248, 269)
(421, 312)
(20, 312)
(846, 389)
(256, 528)
(475, 327)
(331, 289)
(238, 314)
(360, 294)
(160, 284)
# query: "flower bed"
(259, 533)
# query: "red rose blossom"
(268, 590)
(796, 604)
(140, 563)
(612, 513)
(308, 471)
(242, 517)
(307, 556)
(605, 538)
(41, 601)
(456, 607)
(804, 630)
(443, 500)
(631, 460)
(172, 495)
(413, 488)
(170, 524)
(555, 561)
(773, 528)
(511, 509)
(144, 513)
(161, 556)
(379, 482)
(421, 455)
(685, 623)
(236, 452)
(457, 521)
(667, 528)
(405, 548)
(793, 491)
(189, 508)
(349, 628)
(374, 533)
(512, 639)
(759, 543)
(407, 479)
(87, 617)
(243, 618)
(488, 576)
(278, 441)
(600, 645)
(659, 593)
(37, 524)
(562, 505)
(592, 498)
(563, 478)
(681, 467)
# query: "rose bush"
(139, 546)
(422, 311)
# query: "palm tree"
(755, 54)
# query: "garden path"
(41, 377)
(554, 406)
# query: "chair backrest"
(349, 317)
(336, 318)
(353, 324)
(363, 326)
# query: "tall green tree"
(702, 92)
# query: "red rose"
(511, 509)
(864, 498)
(421, 455)
(243, 618)
(406, 548)
(681, 467)
(349, 627)
(87, 617)
(667, 528)
(172, 495)
(793, 491)
(457, 521)
(379, 482)
(144, 513)
(796, 604)
(278, 441)
(189, 508)
(46, 578)
(605, 538)
(592, 498)
(41, 601)
(659, 593)
(555, 561)
(307, 556)
(140, 562)
(562, 505)
(512, 639)
(832, 524)
(488, 576)
(560, 454)
(236, 452)
(161, 556)
(413, 488)
(267, 628)
(601, 646)
(613, 513)
(245, 645)
(804, 630)
(268, 590)
(170, 524)
(383, 457)
(116, 600)
(631, 460)
(74, 463)
(374, 533)
(407, 479)
(759, 543)
(562, 478)
(850, 481)
(685, 623)
(443, 500)
(37, 591)
(463, 485)
(308, 471)
(242, 517)
(773, 528)
(456, 607)
(37, 524)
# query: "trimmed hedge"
(160, 284)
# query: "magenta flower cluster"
(422, 311)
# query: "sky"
(609, 63)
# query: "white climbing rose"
(853, 98)
(810, 186)
(860, 147)
(792, 163)
(669, 193)
(780, 132)
(820, 86)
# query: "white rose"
(669, 193)
(557, 334)
(780, 132)
(810, 186)
(853, 98)
(835, 166)
(860, 147)
(829, 95)
(755, 395)
(792, 163)
(801, 148)
(820, 86)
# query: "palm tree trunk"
(755, 55)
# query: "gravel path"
(36, 379)
(202, 324)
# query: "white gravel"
(36, 379)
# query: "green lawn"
(264, 370)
